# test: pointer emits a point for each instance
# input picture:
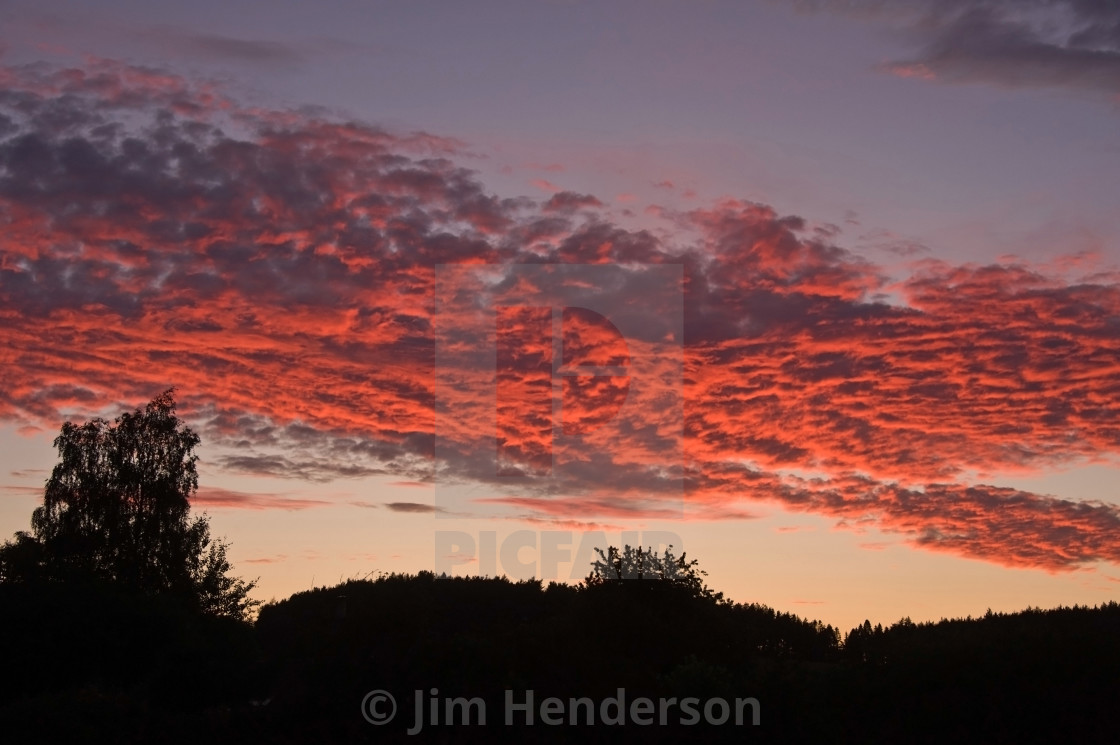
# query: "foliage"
(1035, 676)
(616, 566)
(116, 509)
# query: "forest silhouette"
(123, 623)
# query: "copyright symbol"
(379, 707)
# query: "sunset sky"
(829, 290)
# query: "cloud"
(280, 268)
(570, 201)
(1013, 43)
(545, 185)
(277, 559)
(412, 507)
(231, 49)
(884, 240)
(23, 491)
(26, 473)
(208, 496)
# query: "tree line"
(122, 622)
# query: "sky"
(826, 294)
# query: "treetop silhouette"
(116, 509)
(616, 566)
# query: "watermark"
(559, 390)
(430, 709)
(379, 707)
(530, 554)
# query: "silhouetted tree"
(21, 559)
(116, 509)
(630, 563)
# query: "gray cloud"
(412, 507)
(248, 50)
(1014, 43)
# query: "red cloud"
(280, 270)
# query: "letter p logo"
(587, 373)
(558, 382)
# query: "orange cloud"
(280, 269)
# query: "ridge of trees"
(118, 610)
(300, 671)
